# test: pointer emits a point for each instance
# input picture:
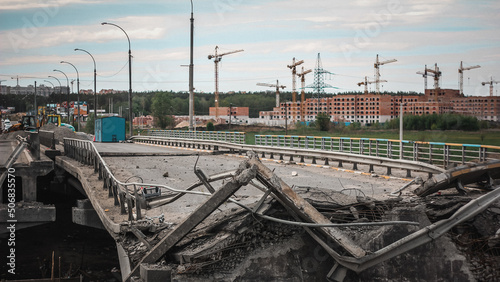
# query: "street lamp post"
(67, 91)
(191, 67)
(77, 90)
(129, 77)
(53, 87)
(95, 88)
(59, 89)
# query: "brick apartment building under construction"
(372, 108)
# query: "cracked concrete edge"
(70, 166)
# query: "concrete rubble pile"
(259, 242)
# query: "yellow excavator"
(26, 123)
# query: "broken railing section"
(130, 197)
(462, 175)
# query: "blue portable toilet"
(109, 129)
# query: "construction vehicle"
(26, 123)
(53, 119)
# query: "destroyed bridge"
(206, 207)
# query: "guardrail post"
(415, 151)
(137, 204)
(272, 155)
(463, 154)
(430, 153)
(121, 195)
(361, 146)
(281, 157)
(376, 148)
(326, 161)
(389, 171)
(389, 149)
(355, 166)
(446, 155)
(341, 145)
(371, 168)
(408, 173)
(313, 160)
(340, 163)
(291, 158)
(302, 159)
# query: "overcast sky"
(36, 35)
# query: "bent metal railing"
(442, 154)
(127, 195)
(227, 136)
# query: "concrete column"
(29, 188)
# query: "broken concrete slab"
(459, 176)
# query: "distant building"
(41, 90)
(372, 108)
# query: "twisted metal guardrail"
(124, 194)
(291, 152)
(442, 154)
(227, 136)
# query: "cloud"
(25, 5)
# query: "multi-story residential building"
(372, 108)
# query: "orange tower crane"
(302, 76)
(278, 86)
(217, 58)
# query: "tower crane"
(293, 67)
(217, 58)
(436, 73)
(491, 82)
(278, 86)
(461, 73)
(377, 71)
(424, 75)
(366, 82)
(302, 76)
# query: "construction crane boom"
(293, 67)
(461, 73)
(377, 65)
(424, 75)
(217, 58)
(302, 76)
(491, 82)
(278, 86)
(366, 82)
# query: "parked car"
(6, 124)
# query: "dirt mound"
(61, 132)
